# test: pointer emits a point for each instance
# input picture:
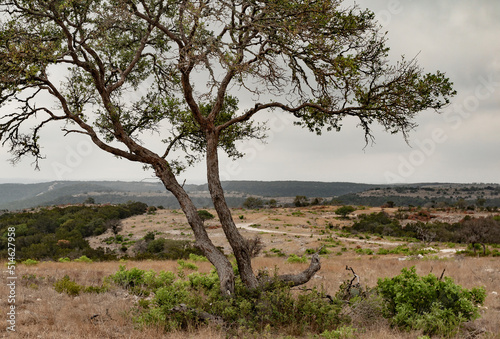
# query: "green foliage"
(427, 303)
(70, 287)
(186, 265)
(195, 257)
(205, 215)
(83, 258)
(293, 258)
(377, 223)
(323, 250)
(366, 251)
(344, 210)
(149, 236)
(252, 311)
(343, 332)
(277, 251)
(253, 203)
(141, 282)
(95, 289)
(53, 233)
(128, 278)
(65, 259)
(151, 210)
(436, 307)
(29, 262)
(301, 201)
(67, 286)
(381, 224)
(162, 248)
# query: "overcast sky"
(460, 38)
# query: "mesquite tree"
(114, 70)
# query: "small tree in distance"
(301, 201)
(253, 203)
(176, 67)
(344, 211)
(205, 215)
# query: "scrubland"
(42, 312)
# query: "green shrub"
(65, 259)
(293, 258)
(83, 258)
(95, 289)
(205, 215)
(364, 251)
(323, 250)
(195, 257)
(67, 286)
(427, 303)
(128, 278)
(344, 211)
(278, 252)
(70, 287)
(149, 236)
(190, 266)
(343, 332)
(29, 262)
(252, 312)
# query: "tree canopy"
(115, 70)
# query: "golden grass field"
(44, 313)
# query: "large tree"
(114, 70)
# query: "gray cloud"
(459, 38)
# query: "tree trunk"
(203, 242)
(236, 240)
(304, 276)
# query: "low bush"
(199, 258)
(29, 262)
(435, 306)
(432, 306)
(68, 286)
(83, 258)
(162, 248)
(293, 258)
(71, 288)
(253, 311)
(186, 265)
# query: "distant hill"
(21, 196)
(293, 188)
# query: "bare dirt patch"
(289, 230)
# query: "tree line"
(59, 232)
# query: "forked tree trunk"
(203, 242)
(236, 240)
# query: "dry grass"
(44, 313)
